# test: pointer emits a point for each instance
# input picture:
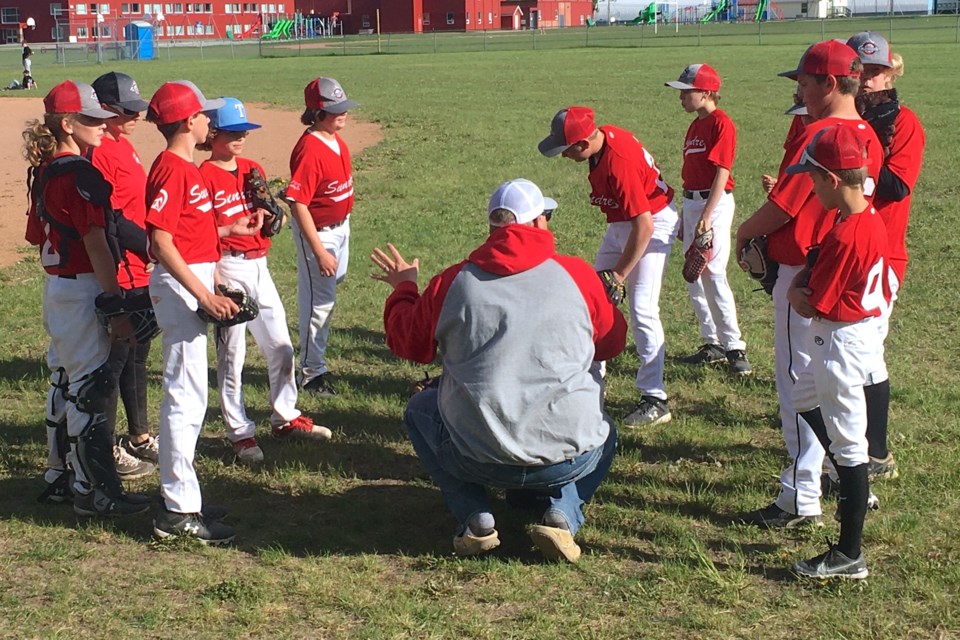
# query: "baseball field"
(350, 539)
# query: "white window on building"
(468, 17)
(102, 30)
(104, 9)
(208, 8)
(56, 8)
(449, 17)
(168, 9)
(178, 7)
(426, 18)
(10, 15)
(365, 21)
(82, 32)
(56, 34)
(124, 9)
(490, 17)
(80, 9)
(479, 17)
(178, 31)
(582, 22)
(208, 29)
(281, 8)
(170, 30)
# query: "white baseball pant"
(800, 481)
(316, 296)
(841, 354)
(643, 293)
(269, 331)
(711, 296)
(184, 403)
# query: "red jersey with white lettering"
(228, 190)
(711, 143)
(849, 279)
(321, 177)
(796, 129)
(181, 206)
(625, 181)
(794, 194)
(63, 203)
(903, 160)
(120, 165)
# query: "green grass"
(351, 540)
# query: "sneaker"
(97, 503)
(247, 451)
(737, 363)
(773, 517)
(478, 537)
(882, 469)
(320, 386)
(146, 450)
(707, 354)
(303, 428)
(206, 531)
(833, 564)
(129, 467)
(650, 411)
(555, 543)
(57, 489)
(873, 504)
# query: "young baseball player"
(119, 163)
(642, 224)
(185, 242)
(243, 265)
(321, 199)
(708, 152)
(70, 202)
(903, 140)
(845, 292)
(793, 220)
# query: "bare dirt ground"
(270, 146)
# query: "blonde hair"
(896, 70)
(40, 139)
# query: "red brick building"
(85, 21)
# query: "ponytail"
(40, 138)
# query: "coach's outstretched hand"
(395, 269)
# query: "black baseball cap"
(119, 90)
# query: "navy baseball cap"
(119, 90)
(232, 116)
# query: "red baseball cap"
(830, 57)
(701, 77)
(832, 149)
(75, 97)
(178, 100)
(569, 126)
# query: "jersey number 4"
(873, 298)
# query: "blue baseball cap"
(232, 116)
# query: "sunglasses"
(122, 111)
(547, 214)
(807, 159)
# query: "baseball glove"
(258, 192)
(249, 309)
(760, 267)
(697, 256)
(880, 109)
(137, 308)
(428, 382)
(615, 290)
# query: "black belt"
(691, 195)
(67, 276)
(333, 226)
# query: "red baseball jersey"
(625, 182)
(904, 159)
(796, 130)
(711, 143)
(228, 190)
(120, 165)
(794, 194)
(181, 206)
(64, 204)
(321, 178)
(849, 280)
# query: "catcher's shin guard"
(94, 446)
(56, 419)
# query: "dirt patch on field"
(270, 146)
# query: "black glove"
(138, 308)
(880, 109)
(259, 194)
(758, 264)
(249, 309)
(615, 290)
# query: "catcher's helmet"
(138, 308)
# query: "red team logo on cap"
(869, 48)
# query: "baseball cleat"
(320, 387)
(302, 428)
(707, 354)
(248, 451)
(206, 530)
(650, 412)
(97, 503)
(737, 363)
(833, 564)
(882, 469)
(773, 517)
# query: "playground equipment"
(715, 13)
(647, 16)
(281, 29)
(761, 13)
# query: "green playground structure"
(647, 15)
(715, 12)
(280, 30)
(760, 15)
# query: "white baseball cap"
(522, 198)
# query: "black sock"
(814, 418)
(878, 407)
(854, 490)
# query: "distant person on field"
(27, 62)
(518, 406)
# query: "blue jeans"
(463, 481)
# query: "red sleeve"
(305, 173)
(626, 182)
(906, 148)
(166, 196)
(830, 275)
(725, 146)
(86, 215)
(609, 327)
(791, 192)
(410, 318)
